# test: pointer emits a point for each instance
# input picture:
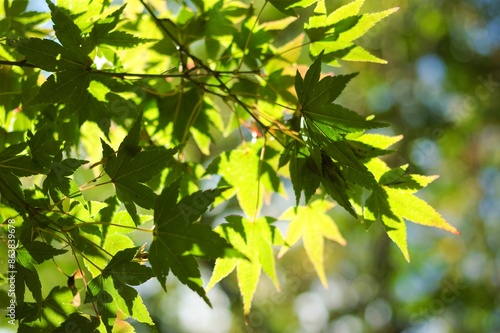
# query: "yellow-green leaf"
(414, 209)
(255, 240)
(344, 12)
(313, 225)
(396, 230)
(364, 24)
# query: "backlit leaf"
(112, 291)
(178, 239)
(312, 224)
(255, 240)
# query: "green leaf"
(128, 149)
(396, 230)
(297, 175)
(13, 149)
(111, 290)
(312, 224)
(19, 165)
(11, 192)
(359, 54)
(144, 165)
(102, 27)
(183, 110)
(325, 91)
(334, 34)
(364, 24)
(255, 240)
(39, 252)
(333, 117)
(63, 86)
(399, 189)
(27, 275)
(122, 39)
(310, 81)
(57, 183)
(285, 6)
(43, 147)
(378, 140)
(408, 206)
(130, 167)
(130, 193)
(240, 168)
(399, 178)
(342, 153)
(68, 33)
(46, 54)
(177, 239)
(278, 24)
(76, 322)
(49, 314)
(335, 184)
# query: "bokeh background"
(441, 90)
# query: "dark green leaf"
(46, 54)
(297, 165)
(11, 192)
(177, 239)
(112, 293)
(39, 251)
(122, 39)
(333, 119)
(325, 91)
(63, 86)
(27, 275)
(50, 314)
(145, 165)
(133, 192)
(102, 27)
(43, 147)
(76, 322)
(310, 81)
(68, 33)
(21, 166)
(13, 150)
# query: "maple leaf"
(312, 224)
(254, 239)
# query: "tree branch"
(122, 75)
(21, 63)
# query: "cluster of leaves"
(215, 73)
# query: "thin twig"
(21, 63)
(250, 35)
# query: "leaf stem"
(21, 63)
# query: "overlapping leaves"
(130, 167)
(255, 239)
(70, 66)
(178, 239)
(330, 159)
(335, 33)
(112, 291)
(400, 188)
